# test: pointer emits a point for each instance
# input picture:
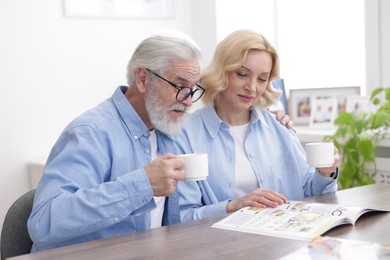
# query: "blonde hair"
(229, 56)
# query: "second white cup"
(320, 154)
(196, 166)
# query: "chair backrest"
(15, 239)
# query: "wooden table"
(197, 240)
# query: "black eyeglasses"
(183, 92)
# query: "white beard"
(160, 118)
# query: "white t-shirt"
(157, 213)
(245, 178)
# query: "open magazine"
(337, 248)
(294, 219)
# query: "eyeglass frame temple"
(192, 92)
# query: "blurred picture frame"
(323, 112)
(299, 102)
(282, 104)
(358, 104)
(119, 8)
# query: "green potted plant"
(357, 137)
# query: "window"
(321, 43)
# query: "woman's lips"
(246, 98)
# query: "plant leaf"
(387, 95)
(367, 148)
(344, 118)
(381, 118)
(375, 92)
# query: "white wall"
(257, 15)
(53, 68)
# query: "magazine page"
(296, 220)
(336, 248)
(349, 214)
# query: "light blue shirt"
(274, 152)
(94, 185)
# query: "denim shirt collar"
(134, 123)
(130, 117)
(214, 123)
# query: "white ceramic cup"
(320, 154)
(196, 166)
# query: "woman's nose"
(252, 85)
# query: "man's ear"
(140, 79)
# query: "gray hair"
(158, 50)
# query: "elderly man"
(113, 170)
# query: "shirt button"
(146, 134)
(147, 151)
(116, 219)
(135, 137)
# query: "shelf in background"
(307, 134)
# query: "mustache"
(178, 107)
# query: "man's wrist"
(332, 175)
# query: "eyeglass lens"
(185, 92)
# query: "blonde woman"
(253, 159)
